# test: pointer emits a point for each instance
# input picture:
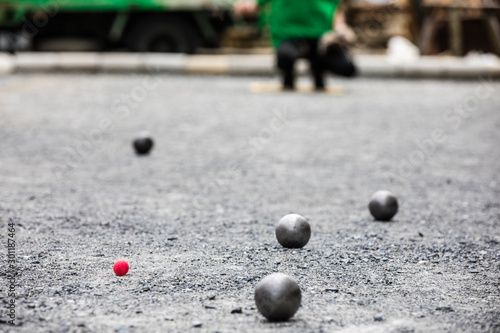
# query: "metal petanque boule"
(143, 143)
(277, 297)
(293, 231)
(383, 205)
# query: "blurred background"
(408, 27)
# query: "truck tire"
(169, 34)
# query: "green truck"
(180, 26)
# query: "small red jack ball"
(120, 267)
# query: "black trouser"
(335, 60)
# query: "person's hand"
(246, 8)
(340, 36)
(345, 34)
(328, 39)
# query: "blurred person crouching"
(312, 29)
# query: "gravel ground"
(195, 219)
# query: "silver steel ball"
(143, 143)
(383, 205)
(277, 297)
(293, 231)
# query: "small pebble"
(122, 329)
(445, 308)
(237, 310)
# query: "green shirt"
(299, 18)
